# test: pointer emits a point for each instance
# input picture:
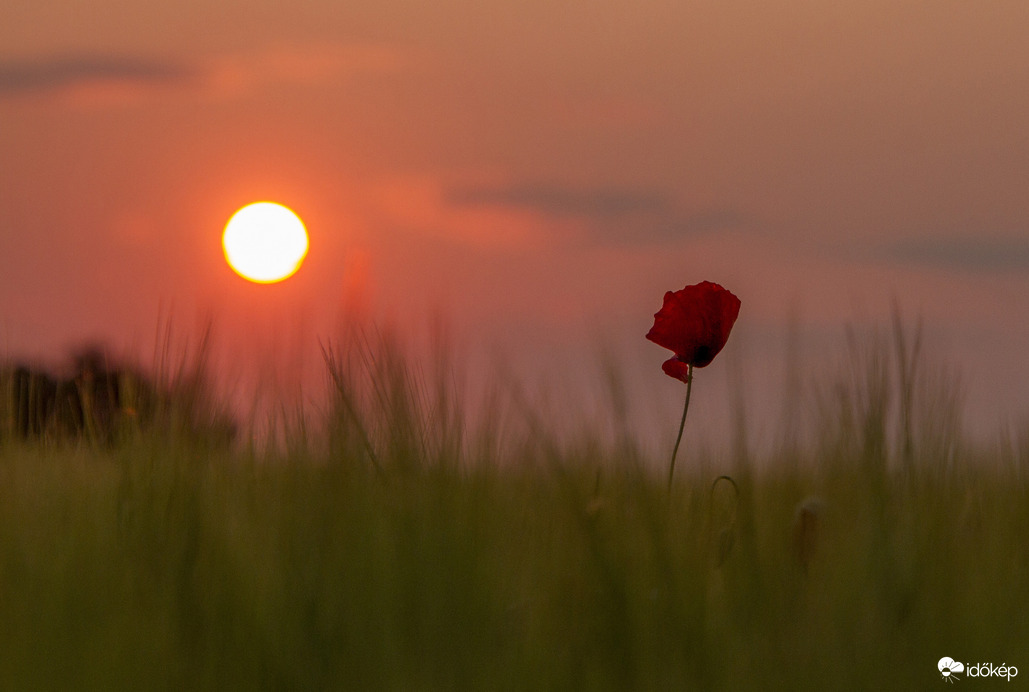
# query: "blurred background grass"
(386, 543)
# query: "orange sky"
(535, 170)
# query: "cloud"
(555, 200)
(309, 65)
(609, 215)
(60, 73)
(229, 75)
(967, 253)
(423, 206)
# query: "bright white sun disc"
(265, 242)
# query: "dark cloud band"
(620, 216)
(971, 254)
(56, 73)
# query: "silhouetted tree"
(28, 401)
(103, 402)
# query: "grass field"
(395, 547)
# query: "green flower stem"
(685, 408)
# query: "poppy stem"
(682, 424)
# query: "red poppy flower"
(694, 323)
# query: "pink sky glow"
(537, 172)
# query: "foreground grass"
(172, 567)
(393, 548)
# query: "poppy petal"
(674, 367)
(694, 323)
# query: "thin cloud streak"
(52, 74)
(611, 215)
(233, 75)
(968, 254)
(310, 65)
(557, 200)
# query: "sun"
(265, 242)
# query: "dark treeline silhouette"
(104, 402)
